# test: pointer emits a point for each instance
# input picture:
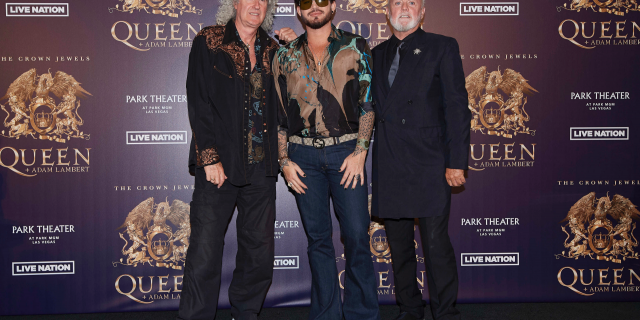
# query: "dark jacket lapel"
(407, 68)
(385, 69)
(380, 76)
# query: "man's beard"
(399, 27)
(316, 24)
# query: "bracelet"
(283, 162)
(364, 143)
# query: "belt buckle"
(318, 143)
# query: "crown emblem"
(43, 119)
(492, 115)
(380, 243)
(600, 240)
(160, 247)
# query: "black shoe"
(407, 316)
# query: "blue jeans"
(322, 167)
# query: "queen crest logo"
(594, 235)
(372, 6)
(149, 239)
(378, 240)
(617, 7)
(491, 112)
(378, 243)
(43, 118)
(171, 8)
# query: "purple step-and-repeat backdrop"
(95, 191)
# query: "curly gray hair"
(226, 12)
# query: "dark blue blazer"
(422, 127)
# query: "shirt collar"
(336, 34)
(407, 39)
(231, 33)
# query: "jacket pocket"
(431, 132)
(222, 73)
(432, 137)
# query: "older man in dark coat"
(420, 152)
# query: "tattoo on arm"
(282, 143)
(284, 162)
(358, 151)
(366, 128)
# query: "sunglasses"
(306, 4)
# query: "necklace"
(315, 55)
(249, 45)
(252, 41)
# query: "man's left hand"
(455, 177)
(353, 168)
(286, 34)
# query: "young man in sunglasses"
(327, 116)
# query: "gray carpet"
(524, 311)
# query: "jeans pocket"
(349, 146)
(291, 149)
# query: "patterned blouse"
(323, 98)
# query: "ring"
(357, 176)
(290, 185)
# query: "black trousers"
(211, 211)
(440, 264)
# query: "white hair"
(389, 3)
(396, 24)
(226, 12)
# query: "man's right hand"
(215, 174)
(291, 171)
(286, 34)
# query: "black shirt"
(220, 94)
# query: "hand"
(455, 177)
(286, 34)
(352, 166)
(291, 171)
(215, 174)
